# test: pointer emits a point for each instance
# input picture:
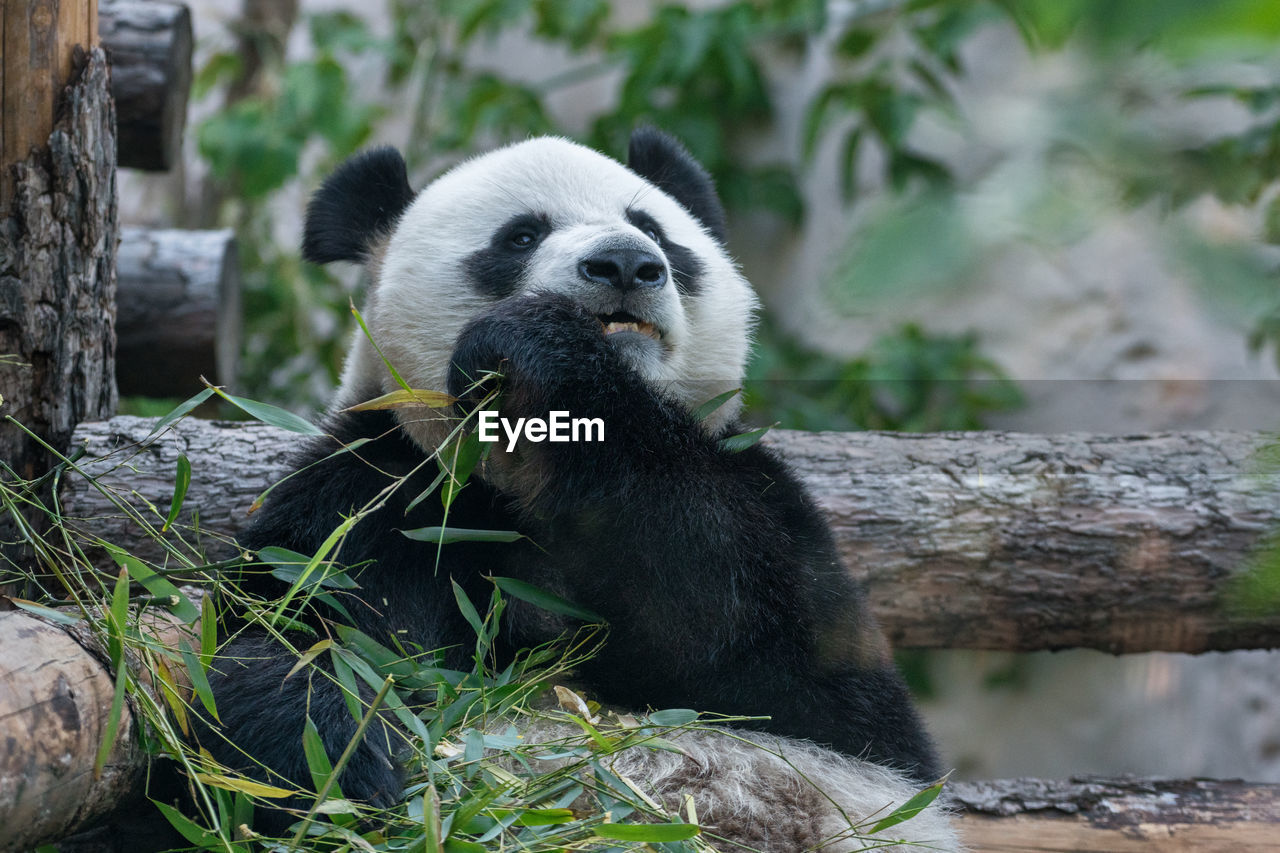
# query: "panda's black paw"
(535, 346)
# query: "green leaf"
(545, 817)
(53, 614)
(910, 808)
(395, 374)
(455, 845)
(468, 609)
(181, 481)
(113, 720)
(449, 535)
(545, 600)
(181, 410)
(289, 567)
(713, 405)
(118, 615)
(201, 838)
(655, 832)
(156, 584)
(199, 680)
(466, 452)
(741, 441)
(269, 414)
(318, 763)
(208, 632)
(673, 717)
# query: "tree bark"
(1117, 815)
(178, 311)
(55, 700)
(975, 540)
(149, 47)
(57, 272)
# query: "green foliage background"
(704, 74)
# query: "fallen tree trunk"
(148, 43)
(177, 311)
(1127, 815)
(967, 540)
(55, 700)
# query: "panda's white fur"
(421, 300)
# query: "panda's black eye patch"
(523, 232)
(497, 269)
(646, 224)
(686, 269)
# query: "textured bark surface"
(977, 540)
(57, 276)
(148, 43)
(1118, 815)
(55, 700)
(177, 311)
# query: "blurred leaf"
(653, 833)
(449, 535)
(182, 480)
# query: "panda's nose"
(625, 269)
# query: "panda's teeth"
(614, 326)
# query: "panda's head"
(640, 246)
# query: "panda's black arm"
(714, 565)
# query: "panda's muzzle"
(624, 268)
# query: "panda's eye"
(652, 233)
(523, 239)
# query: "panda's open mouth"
(612, 324)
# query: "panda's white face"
(548, 215)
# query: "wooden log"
(57, 257)
(55, 700)
(1127, 815)
(148, 43)
(177, 311)
(967, 540)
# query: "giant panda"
(567, 281)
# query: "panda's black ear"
(356, 205)
(660, 159)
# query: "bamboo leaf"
(318, 763)
(181, 410)
(208, 632)
(711, 406)
(655, 832)
(181, 481)
(199, 681)
(244, 786)
(412, 398)
(910, 808)
(308, 656)
(201, 838)
(449, 535)
(113, 721)
(673, 717)
(156, 584)
(53, 614)
(547, 601)
(172, 696)
(269, 414)
(740, 442)
(468, 609)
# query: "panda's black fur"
(715, 571)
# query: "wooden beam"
(1126, 815)
(967, 540)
